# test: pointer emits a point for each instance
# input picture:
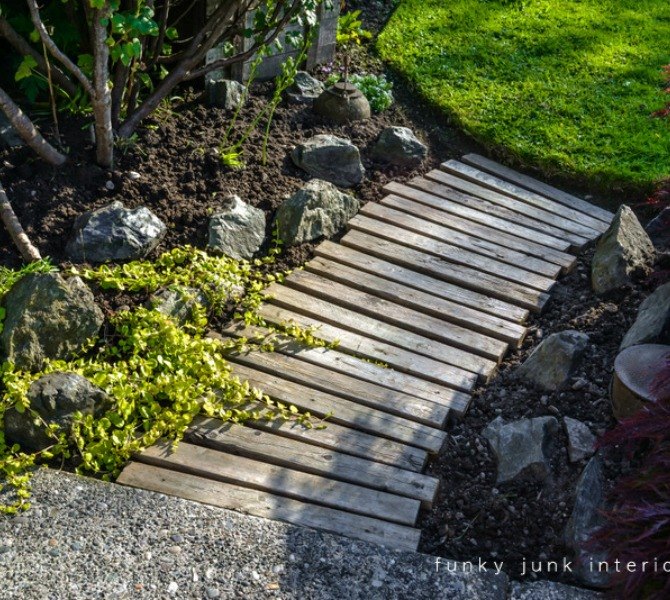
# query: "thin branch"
(55, 51)
(13, 227)
(29, 134)
(157, 43)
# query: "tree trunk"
(102, 93)
(29, 134)
(8, 217)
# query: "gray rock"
(584, 521)
(580, 439)
(114, 233)
(317, 210)
(549, 590)
(238, 230)
(658, 229)
(305, 89)
(553, 362)
(623, 251)
(225, 93)
(330, 158)
(55, 397)
(399, 146)
(652, 325)
(521, 447)
(47, 317)
(8, 136)
(177, 303)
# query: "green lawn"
(565, 85)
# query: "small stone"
(238, 230)
(177, 303)
(330, 158)
(109, 185)
(305, 89)
(173, 587)
(225, 93)
(212, 593)
(255, 576)
(399, 146)
(176, 538)
(133, 175)
(580, 439)
(54, 552)
(174, 549)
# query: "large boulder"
(47, 317)
(56, 397)
(114, 233)
(584, 521)
(521, 447)
(317, 210)
(553, 362)
(224, 93)
(330, 158)
(304, 89)
(658, 229)
(652, 325)
(623, 251)
(581, 442)
(238, 230)
(399, 146)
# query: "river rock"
(55, 397)
(553, 362)
(114, 233)
(238, 230)
(224, 93)
(330, 158)
(179, 304)
(580, 439)
(317, 210)
(584, 521)
(623, 251)
(658, 229)
(399, 146)
(305, 89)
(521, 447)
(47, 317)
(652, 325)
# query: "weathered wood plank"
(282, 481)
(356, 390)
(400, 217)
(278, 450)
(525, 247)
(415, 299)
(418, 281)
(344, 412)
(501, 185)
(539, 187)
(454, 202)
(268, 506)
(518, 208)
(359, 345)
(361, 369)
(399, 315)
(356, 322)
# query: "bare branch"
(13, 227)
(29, 134)
(54, 50)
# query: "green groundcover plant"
(570, 87)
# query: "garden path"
(435, 282)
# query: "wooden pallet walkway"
(435, 282)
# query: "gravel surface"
(88, 539)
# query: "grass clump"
(569, 86)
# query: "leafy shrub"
(376, 89)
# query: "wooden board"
(343, 412)
(365, 347)
(282, 481)
(438, 288)
(375, 329)
(350, 388)
(400, 217)
(393, 313)
(530, 213)
(525, 247)
(433, 265)
(454, 202)
(269, 506)
(364, 370)
(445, 310)
(505, 187)
(539, 187)
(301, 456)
